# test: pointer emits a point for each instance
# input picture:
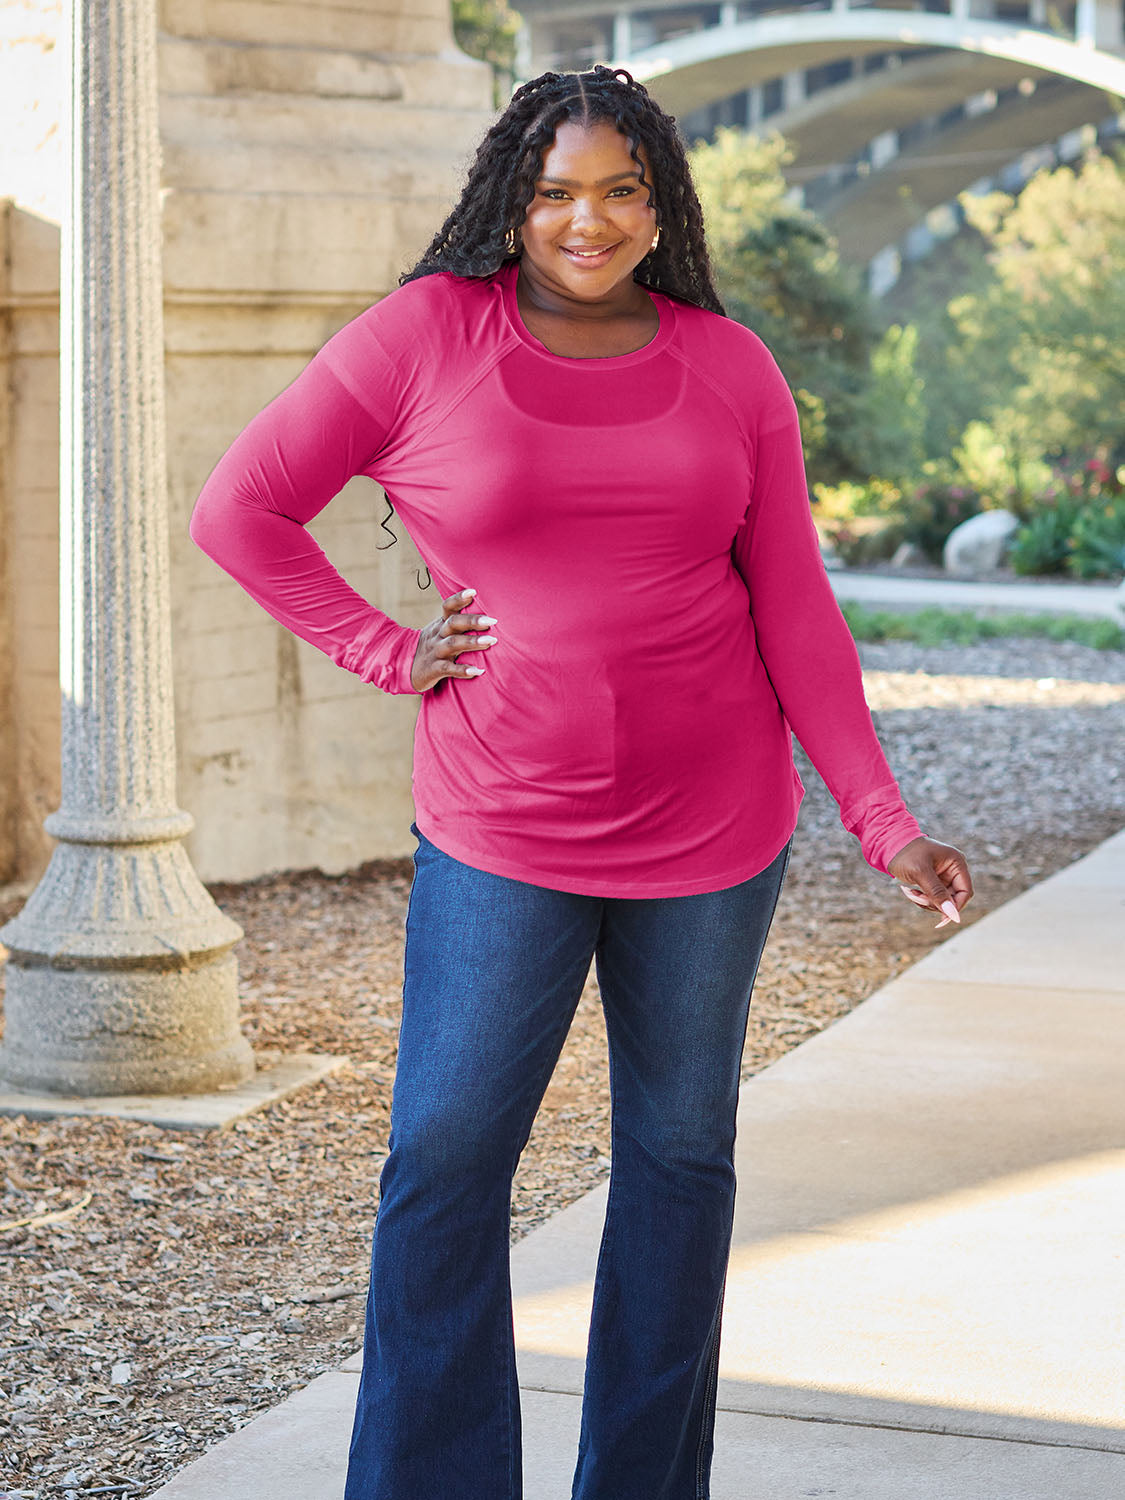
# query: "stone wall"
(310, 149)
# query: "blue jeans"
(494, 969)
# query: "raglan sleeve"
(296, 455)
(803, 639)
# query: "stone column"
(120, 978)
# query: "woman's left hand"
(933, 875)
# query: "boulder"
(980, 544)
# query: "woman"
(604, 475)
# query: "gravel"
(207, 1276)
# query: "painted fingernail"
(467, 593)
(950, 910)
(488, 620)
(473, 671)
(486, 640)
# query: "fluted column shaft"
(120, 975)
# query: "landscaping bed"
(209, 1274)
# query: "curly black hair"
(500, 185)
(501, 182)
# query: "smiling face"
(589, 225)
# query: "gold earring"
(655, 240)
(510, 242)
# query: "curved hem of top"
(679, 888)
(508, 276)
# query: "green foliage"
(1077, 524)
(861, 521)
(932, 509)
(1037, 349)
(1097, 542)
(994, 466)
(892, 410)
(1041, 546)
(1002, 385)
(487, 29)
(938, 627)
(840, 502)
(778, 271)
(864, 539)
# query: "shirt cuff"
(883, 825)
(385, 655)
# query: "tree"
(487, 29)
(1027, 345)
(1057, 253)
(778, 271)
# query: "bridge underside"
(921, 107)
(880, 209)
(869, 209)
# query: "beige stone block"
(221, 734)
(381, 27)
(38, 638)
(218, 323)
(250, 649)
(35, 337)
(281, 241)
(33, 462)
(38, 555)
(346, 124)
(34, 250)
(36, 392)
(238, 692)
(210, 400)
(221, 604)
(324, 165)
(211, 67)
(202, 67)
(36, 515)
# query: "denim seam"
(711, 1386)
(607, 1225)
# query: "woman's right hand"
(444, 639)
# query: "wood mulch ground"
(205, 1276)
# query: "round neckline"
(665, 311)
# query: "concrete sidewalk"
(890, 591)
(926, 1297)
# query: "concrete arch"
(692, 71)
(884, 207)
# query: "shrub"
(1097, 541)
(932, 510)
(1044, 543)
(863, 539)
(939, 627)
(840, 502)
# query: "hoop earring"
(655, 240)
(510, 242)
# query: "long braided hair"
(501, 182)
(500, 185)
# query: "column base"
(95, 1029)
(276, 1075)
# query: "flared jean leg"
(494, 970)
(676, 979)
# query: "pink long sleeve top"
(639, 526)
